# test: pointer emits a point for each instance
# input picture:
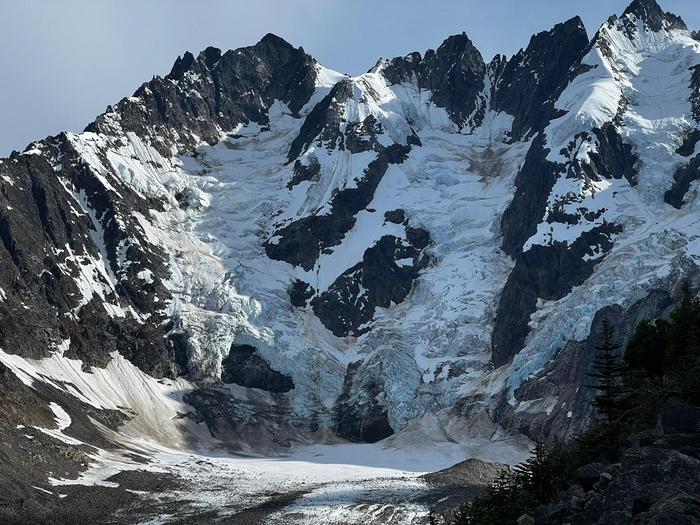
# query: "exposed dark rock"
(588, 475)
(653, 16)
(29, 455)
(689, 142)
(234, 87)
(688, 174)
(544, 272)
(418, 237)
(383, 277)
(240, 423)
(323, 123)
(682, 180)
(402, 69)
(362, 136)
(613, 159)
(561, 379)
(303, 172)
(550, 272)
(366, 420)
(46, 244)
(681, 509)
(300, 242)
(395, 216)
(533, 184)
(529, 80)
(243, 366)
(695, 92)
(454, 73)
(300, 293)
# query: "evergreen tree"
(683, 374)
(684, 336)
(536, 474)
(608, 375)
(663, 362)
(646, 351)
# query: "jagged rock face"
(384, 276)
(205, 96)
(529, 80)
(244, 367)
(315, 252)
(75, 260)
(363, 420)
(650, 12)
(557, 387)
(454, 74)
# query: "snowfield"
(322, 483)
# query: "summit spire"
(654, 17)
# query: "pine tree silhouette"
(608, 374)
(536, 474)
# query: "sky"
(63, 61)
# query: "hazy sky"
(63, 61)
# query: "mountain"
(283, 254)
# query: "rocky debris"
(243, 366)
(469, 472)
(123, 504)
(250, 425)
(653, 480)
(456, 485)
(30, 455)
(683, 509)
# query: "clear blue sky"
(62, 62)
